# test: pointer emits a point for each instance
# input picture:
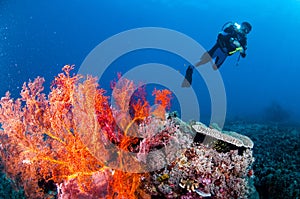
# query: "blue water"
(38, 37)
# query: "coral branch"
(64, 137)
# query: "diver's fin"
(187, 82)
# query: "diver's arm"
(243, 53)
(240, 47)
(243, 43)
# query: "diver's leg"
(204, 59)
(207, 56)
(221, 56)
(187, 82)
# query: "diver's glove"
(187, 82)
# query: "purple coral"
(200, 171)
(74, 189)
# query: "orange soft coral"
(162, 100)
(65, 135)
(41, 139)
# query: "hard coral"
(200, 171)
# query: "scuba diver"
(232, 39)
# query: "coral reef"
(277, 158)
(201, 171)
(226, 136)
(99, 187)
(73, 143)
(7, 190)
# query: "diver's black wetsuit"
(224, 44)
(231, 39)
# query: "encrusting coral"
(73, 143)
(201, 171)
(226, 136)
